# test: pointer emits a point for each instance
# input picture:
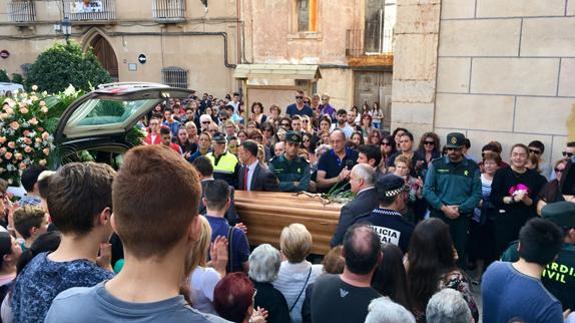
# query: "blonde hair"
(403, 159)
(295, 242)
(199, 252)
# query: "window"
(306, 11)
(175, 77)
(379, 24)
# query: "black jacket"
(361, 205)
(262, 180)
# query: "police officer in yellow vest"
(226, 165)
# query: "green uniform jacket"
(558, 277)
(453, 184)
(290, 171)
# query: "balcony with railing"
(90, 11)
(373, 46)
(169, 11)
(22, 11)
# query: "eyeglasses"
(206, 122)
(298, 97)
(224, 119)
(429, 143)
(535, 151)
(558, 170)
(285, 124)
(385, 143)
(567, 154)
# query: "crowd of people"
(160, 240)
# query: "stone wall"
(503, 70)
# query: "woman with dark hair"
(242, 136)
(514, 193)
(428, 150)
(182, 140)
(551, 192)
(482, 241)
(390, 278)
(258, 115)
(10, 252)
(356, 139)
(45, 242)
(431, 259)
(374, 137)
(324, 125)
(366, 126)
(275, 113)
(396, 134)
(388, 149)
(234, 299)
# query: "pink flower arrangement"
(23, 138)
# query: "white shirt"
(251, 170)
(203, 283)
(347, 130)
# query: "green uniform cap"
(455, 140)
(293, 137)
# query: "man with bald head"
(334, 167)
(361, 180)
(345, 297)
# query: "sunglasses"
(285, 124)
(206, 122)
(299, 97)
(224, 119)
(535, 151)
(385, 143)
(566, 154)
(429, 143)
(557, 170)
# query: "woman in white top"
(296, 273)
(203, 279)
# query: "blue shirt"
(174, 127)
(292, 110)
(43, 279)
(332, 165)
(93, 304)
(240, 249)
(508, 294)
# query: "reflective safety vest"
(226, 163)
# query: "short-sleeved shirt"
(390, 226)
(42, 279)
(292, 110)
(332, 165)
(95, 304)
(508, 294)
(558, 276)
(335, 301)
(240, 248)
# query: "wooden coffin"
(267, 213)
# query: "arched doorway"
(106, 56)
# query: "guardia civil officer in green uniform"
(559, 276)
(453, 189)
(291, 169)
(226, 165)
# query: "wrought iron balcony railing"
(169, 11)
(22, 11)
(90, 10)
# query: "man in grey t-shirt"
(155, 197)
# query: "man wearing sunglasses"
(537, 148)
(453, 189)
(299, 107)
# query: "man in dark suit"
(361, 181)
(253, 175)
(205, 169)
